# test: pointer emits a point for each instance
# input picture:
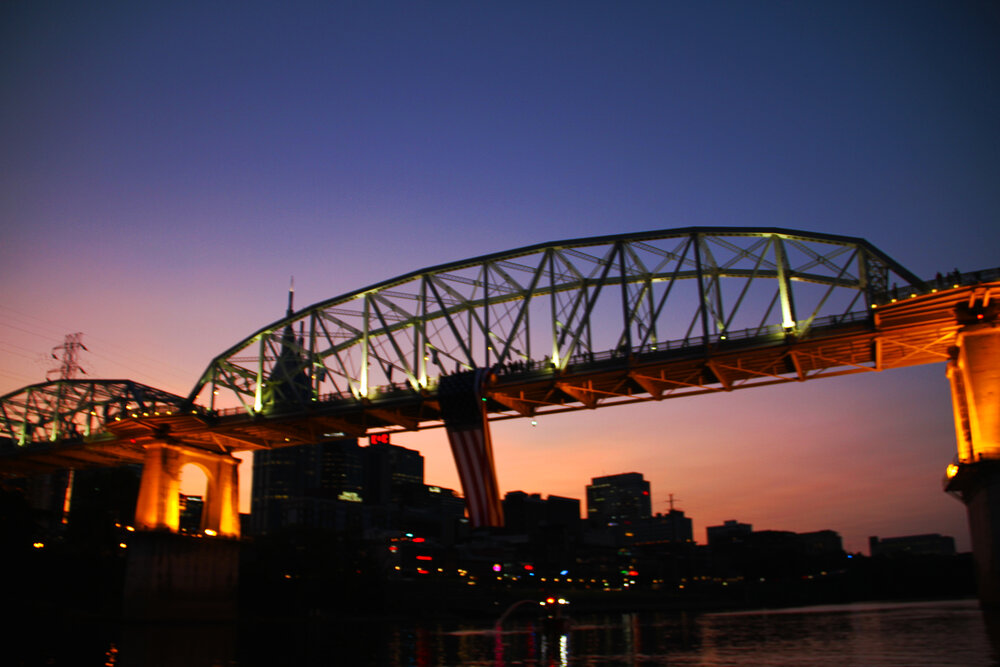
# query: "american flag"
(465, 421)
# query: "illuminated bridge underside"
(913, 331)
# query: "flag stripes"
(465, 421)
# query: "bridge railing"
(767, 332)
(941, 281)
(579, 361)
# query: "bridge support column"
(463, 406)
(974, 373)
(158, 507)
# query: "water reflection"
(942, 634)
(913, 634)
(177, 645)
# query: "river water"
(938, 634)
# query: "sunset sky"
(165, 168)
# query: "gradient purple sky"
(165, 167)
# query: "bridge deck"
(909, 332)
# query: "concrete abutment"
(974, 373)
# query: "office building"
(526, 513)
(617, 499)
(911, 545)
(730, 532)
(670, 527)
(337, 485)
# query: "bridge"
(573, 325)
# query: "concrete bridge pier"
(158, 507)
(974, 373)
(174, 576)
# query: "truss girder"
(78, 409)
(908, 332)
(550, 306)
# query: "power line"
(17, 376)
(118, 362)
(28, 331)
(33, 356)
(155, 368)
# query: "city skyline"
(167, 169)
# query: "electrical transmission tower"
(66, 355)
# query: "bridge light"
(951, 470)
(210, 532)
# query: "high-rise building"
(909, 545)
(393, 474)
(304, 484)
(191, 509)
(283, 478)
(526, 513)
(670, 527)
(616, 499)
(730, 532)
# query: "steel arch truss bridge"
(55, 417)
(549, 311)
(547, 328)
